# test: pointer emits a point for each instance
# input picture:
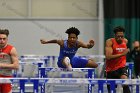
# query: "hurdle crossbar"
(37, 81)
(44, 70)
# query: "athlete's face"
(119, 36)
(72, 38)
(3, 40)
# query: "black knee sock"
(126, 89)
(108, 88)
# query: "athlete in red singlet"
(115, 51)
(8, 60)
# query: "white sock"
(67, 62)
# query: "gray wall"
(28, 22)
(25, 34)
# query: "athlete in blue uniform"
(68, 49)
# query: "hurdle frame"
(37, 81)
(44, 70)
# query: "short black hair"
(4, 31)
(119, 29)
(73, 30)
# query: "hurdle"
(43, 73)
(44, 70)
(100, 82)
(39, 58)
(130, 69)
(17, 72)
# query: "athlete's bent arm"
(59, 42)
(89, 45)
(15, 61)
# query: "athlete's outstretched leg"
(66, 62)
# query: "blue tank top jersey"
(65, 51)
